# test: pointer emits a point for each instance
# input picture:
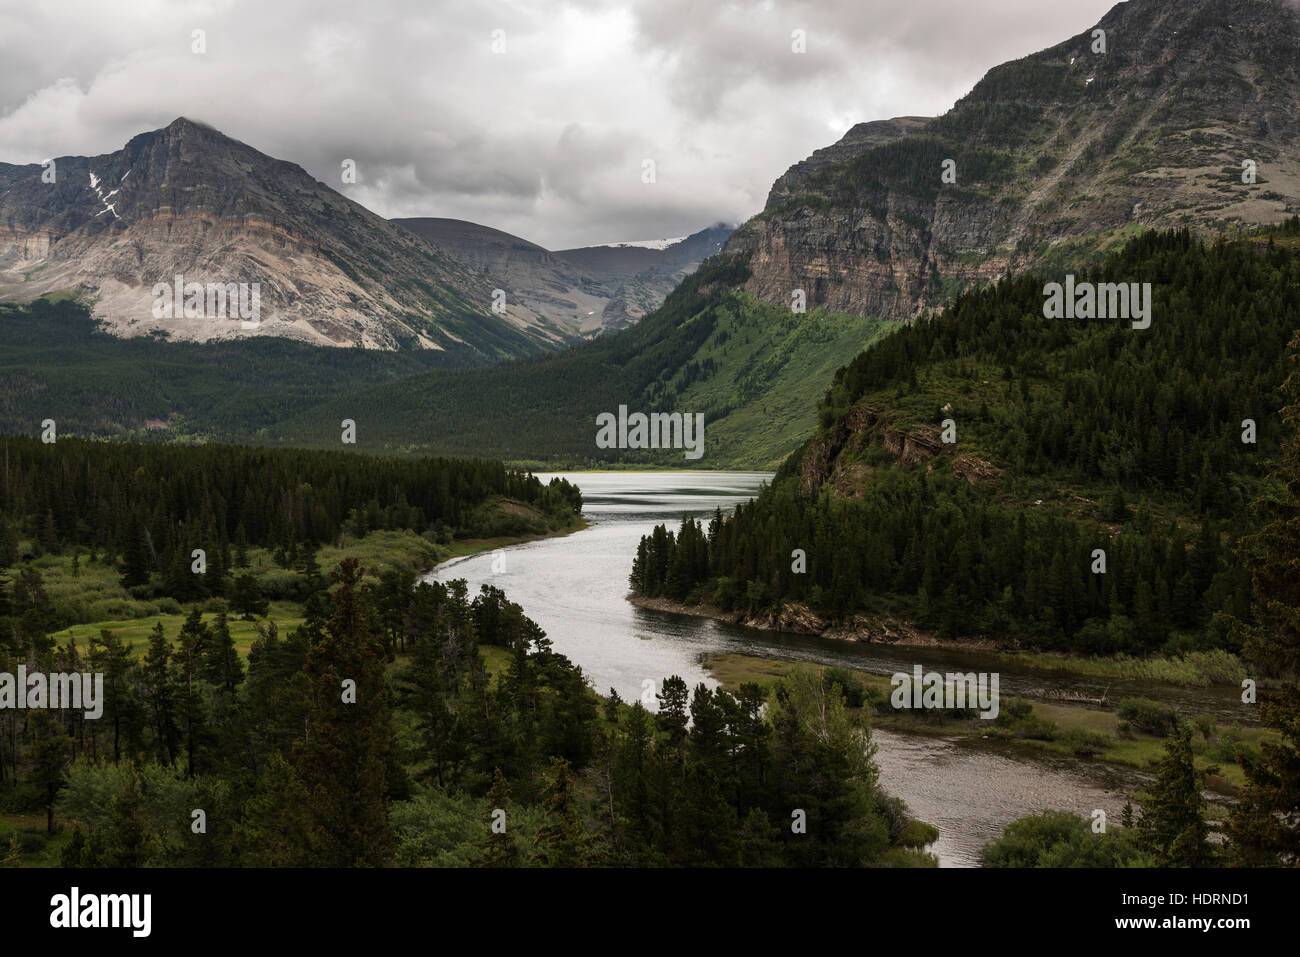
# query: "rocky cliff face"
(836, 456)
(854, 143)
(1057, 156)
(188, 200)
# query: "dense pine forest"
(56, 362)
(1074, 438)
(396, 723)
(151, 506)
(398, 727)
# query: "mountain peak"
(188, 200)
(184, 121)
(1160, 116)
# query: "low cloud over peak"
(534, 119)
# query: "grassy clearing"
(1195, 668)
(495, 660)
(382, 550)
(134, 632)
(36, 848)
(96, 586)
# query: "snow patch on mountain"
(644, 244)
(104, 198)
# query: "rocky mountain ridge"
(1057, 157)
(187, 200)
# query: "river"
(576, 588)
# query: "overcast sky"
(547, 137)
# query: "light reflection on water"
(575, 587)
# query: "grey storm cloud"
(532, 117)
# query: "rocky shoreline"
(798, 619)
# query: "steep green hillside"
(1071, 436)
(754, 371)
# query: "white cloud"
(544, 140)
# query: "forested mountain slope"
(1070, 435)
(753, 370)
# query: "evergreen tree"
(344, 758)
(130, 841)
(562, 839)
(221, 664)
(276, 827)
(121, 707)
(247, 597)
(499, 848)
(51, 752)
(191, 708)
(135, 559)
(672, 716)
(1264, 827)
(613, 705)
(1172, 823)
(158, 685)
(635, 782)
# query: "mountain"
(189, 200)
(585, 290)
(1089, 495)
(1059, 155)
(626, 260)
(752, 369)
(1056, 165)
(643, 274)
(855, 142)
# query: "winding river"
(576, 588)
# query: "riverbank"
(473, 546)
(1076, 730)
(797, 619)
(1195, 669)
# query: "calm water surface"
(576, 588)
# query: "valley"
(943, 512)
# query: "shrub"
(853, 690)
(1012, 711)
(1061, 839)
(1149, 716)
(276, 584)
(1084, 743)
